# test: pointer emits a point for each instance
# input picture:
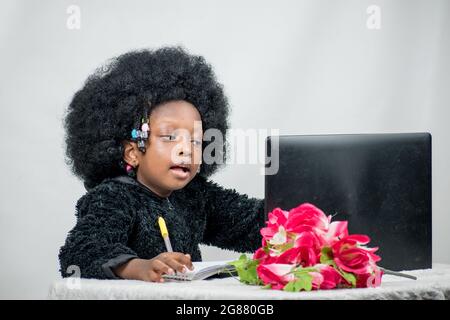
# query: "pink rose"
(336, 231)
(275, 274)
(369, 280)
(262, 256)
(331, 278)
(307, 217)
(350, 257)
(305, 251)
(317, 279)
(278, 275)
(277, 218)
(296, 238)
(304, 256)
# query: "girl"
(134, 136)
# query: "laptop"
(379, 183)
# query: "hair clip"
(141, 135)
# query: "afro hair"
(112, 101)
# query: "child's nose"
(185, 148)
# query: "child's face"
(175, 140)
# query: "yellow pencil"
(165, 234)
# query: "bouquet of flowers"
(303, 250)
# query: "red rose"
(351, 257)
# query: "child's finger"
(190, 265)
(174, 264)
(184, 259)
(161, 268)
(153, 276)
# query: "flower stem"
(398, 274)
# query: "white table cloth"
(431, 284)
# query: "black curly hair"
(112, 101)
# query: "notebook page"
(201, 270)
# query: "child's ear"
(130, 153)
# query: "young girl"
(134, 136)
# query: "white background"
(304, 67)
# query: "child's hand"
(153, 269)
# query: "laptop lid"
(380, 183)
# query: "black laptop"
(380, 183)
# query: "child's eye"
(196, 143)
(169, 137)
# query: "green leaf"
(284, 247)
(350, 277)
(300, 270)
(246, 269)
(326, 255)
(290, 286)
(304, 282)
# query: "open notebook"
(203, 270)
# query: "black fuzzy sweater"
(117, 221)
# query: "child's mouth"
(180, 171)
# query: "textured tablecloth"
(431, 284)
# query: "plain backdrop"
(303, 67)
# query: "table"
(430, 284)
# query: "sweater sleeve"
(233, 220)
(98, 242)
